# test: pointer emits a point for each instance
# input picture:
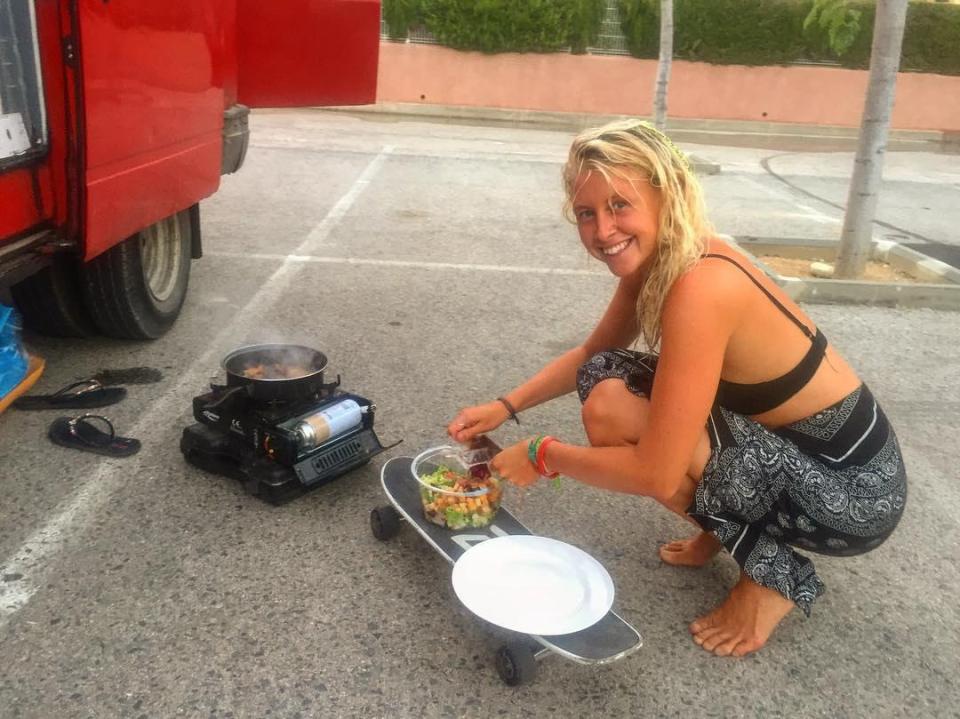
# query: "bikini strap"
(780, 306)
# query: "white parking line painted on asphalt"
(786, 196)
(32, 560)
(43, 542)
(304, 259)
(819, 216)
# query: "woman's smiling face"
(619, 220)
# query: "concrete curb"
(941, 291)
(737, 133)
(492, 116)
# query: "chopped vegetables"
(460, 500)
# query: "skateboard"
(516, 661)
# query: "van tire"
(51, 301)
(135, 290)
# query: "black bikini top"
(761, 397)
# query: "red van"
(118, 116)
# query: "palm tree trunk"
(663, 67)
(857, 238)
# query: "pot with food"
(276, 372)
(455, 494)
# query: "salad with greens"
(455, 500)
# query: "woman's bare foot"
(691, 552)
(744, 622)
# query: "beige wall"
(623, 85)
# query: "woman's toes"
(708, 636)
(671, 554)
(703, 623)
(746, 646)
(726, 648)
(714, 640)
(690, 552)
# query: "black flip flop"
(86, 394)
(83, 433)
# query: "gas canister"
(315, 429)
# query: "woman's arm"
(617, 328)
(699, 317)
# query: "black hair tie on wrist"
(510, 409)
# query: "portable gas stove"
(281, 437)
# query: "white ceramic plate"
(533, 585)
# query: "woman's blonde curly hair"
(635, 145)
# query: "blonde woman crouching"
(747, 421)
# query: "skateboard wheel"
(384, 522)
(516, 664)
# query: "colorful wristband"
(532, 448)
(510, 409)
(541, 458)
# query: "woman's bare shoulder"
(712, 281)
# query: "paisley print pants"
(832, 483)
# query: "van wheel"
(135, 290)
(51, 302)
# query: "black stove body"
(261, 444)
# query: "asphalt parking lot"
(432, 264)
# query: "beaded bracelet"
(510, 409)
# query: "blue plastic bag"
(13, 360)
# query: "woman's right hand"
(475, 420)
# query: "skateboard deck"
(608, 640)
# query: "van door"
(307, 52)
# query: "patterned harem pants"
(833, 483)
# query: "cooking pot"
(276, 372)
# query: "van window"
(23, 121)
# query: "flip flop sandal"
(86, 433)
(86, 394)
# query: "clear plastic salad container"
(456, 494)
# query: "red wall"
(624, 86)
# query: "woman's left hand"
(513, 464)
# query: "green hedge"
(933, 41)
(400, 16)
(500, 25)
(585, 21)
(747, 32)
(770, 32)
